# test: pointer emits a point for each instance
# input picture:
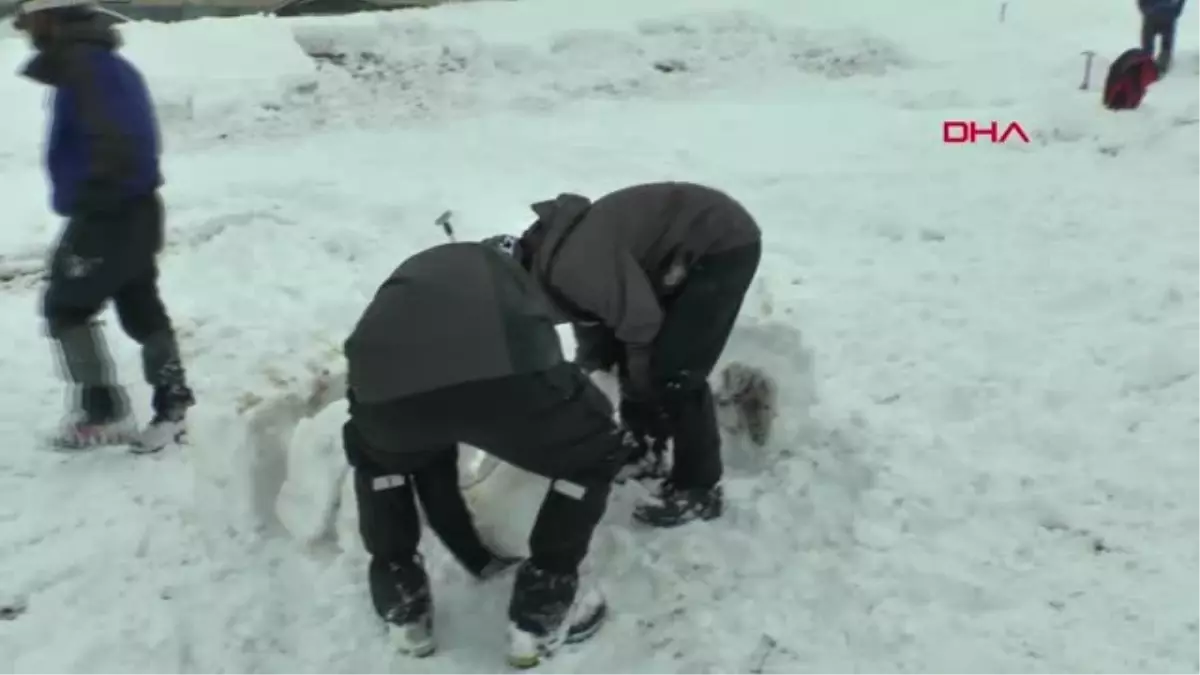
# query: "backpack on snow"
(1128, 78)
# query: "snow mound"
(219, 69)
(259, 75)
(428, 68)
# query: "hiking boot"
(82, 433)
(675, 506)
(1163, 63)
(549, 610)
(161, 432)
(401, 595)
(169, 424)
(102, 418)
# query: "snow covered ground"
(988, 353)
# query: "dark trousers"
(555, 423)
(697, 322)
(103, 258)
(1154, 26)
(696, 327)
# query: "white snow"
(988, 354)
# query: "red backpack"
(1128, 78)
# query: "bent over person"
(459, 346)
(653, 277)
(103, 160)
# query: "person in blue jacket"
(102, 157)
(1159, 18)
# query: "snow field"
(987, 354)
(257, 77)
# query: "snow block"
(316, 467)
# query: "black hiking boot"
(103, 418)
(678, 506)
(548, 611)
(400, 592)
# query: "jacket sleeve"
(616, 291)
(110, 152)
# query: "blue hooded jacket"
(1166, 9)
(103, 146)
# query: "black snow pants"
(698, 319)
(112, 257)
(1159, 26)
(554, 423)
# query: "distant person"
(653, 278)
(459, 346)
(1159, 18)
(103, 162)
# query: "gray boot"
(99, 413)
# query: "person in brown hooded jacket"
(459, 346)
(652, 278)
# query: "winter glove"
(590, 363)
(641, 406)
(643, 416)
(638, 383)
(645, 421)
(648, 426)
(596, 347)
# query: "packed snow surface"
(987, 353)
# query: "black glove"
(596, 348)
(638, 384)
(648, 426)
(641, 407)
(647, 423)
(590, 363)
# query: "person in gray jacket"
(459, 346)
(653, 277)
